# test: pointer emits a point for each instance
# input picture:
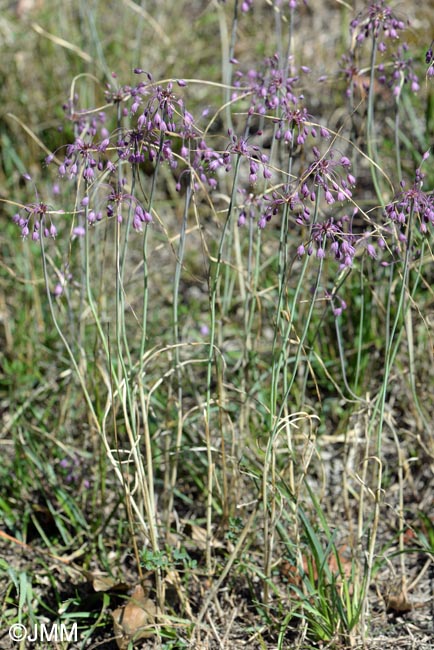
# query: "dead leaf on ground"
(135, 620)
(107, 583)
(398, 603)
(199, 535)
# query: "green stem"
(63, 339)
(371, 136)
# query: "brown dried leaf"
(107, 583)
(104, 582)
(135, 620)
(199, 535)
(399, 603)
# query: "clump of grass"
(227, 289)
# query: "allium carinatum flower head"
(332, 173)
(401, 73)
(415, 202)
(378, 21)
(35, 219)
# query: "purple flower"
(414, 201)
(246, 5)
(241, 218)
(36, 215)
(378, 21)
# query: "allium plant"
(304, 185)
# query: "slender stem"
(214, 281)
(63, 339)
(361, 322)
(371, 135)
(390, 354)
(176, 341)
(274, 427)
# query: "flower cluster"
(328, 177)
(271, 86)
(332, 174)
(413, 202)
(342, 243)
(272, 92)
(377, 21)
(337, 237)
(35, 219)
(402, 72)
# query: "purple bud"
(137, 223)
(334, 247)
(241, 219)
(305, 191)
(104, 144)
(300, 139)
(329, 197)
